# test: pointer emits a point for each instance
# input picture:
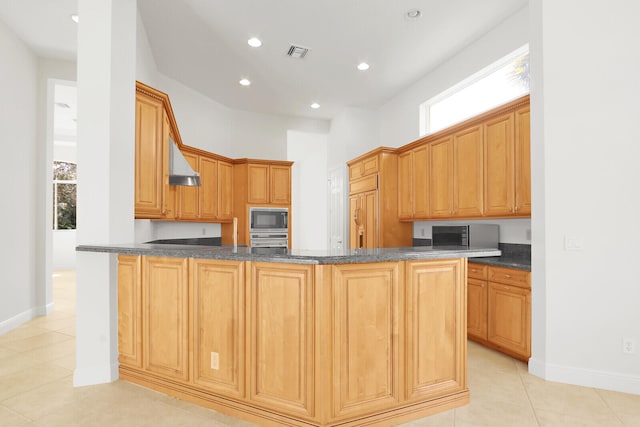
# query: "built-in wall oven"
(269, 227)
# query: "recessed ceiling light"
(413, 14)
(75, 18)
(254, 42)
(363, 66)
(315, 105)
(244, 82)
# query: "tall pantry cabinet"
(373, 202)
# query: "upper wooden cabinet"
(150, 156)
(269, 184)
(508, 164)
(373, 199)
(478, 168)
(413, 183)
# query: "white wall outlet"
(204, 231)
(215, 360)
(422, 232)
(572, 243)
(528, 235)
(628, 345)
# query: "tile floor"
(37, 362)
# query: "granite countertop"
(509, 261)
(293, 256)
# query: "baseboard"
(95, 375)
(585, 377)
(20, 319)
(49, 308)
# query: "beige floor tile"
(22, 332)
(42, 340)
(622, 403)
(566, 399)
(9, 418)
(53, 351)
(67, 362)
(480, 414)
(29, 379)
(16, 362)
(59, 324)
(444, 419)
(554, 419)
(49, 397)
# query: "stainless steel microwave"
(272, 220)
(472, 235)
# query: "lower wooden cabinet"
(165, 322)
(281, 327)
(217, 314)
(295, 344)
(499, 309)
(436, 341)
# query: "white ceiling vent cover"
(297, 52)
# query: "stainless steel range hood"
(180, 171)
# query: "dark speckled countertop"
(513, 256)
(292, 256)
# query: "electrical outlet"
(422, 232)
(215, 360)
(572, 243)
(528, 234)
(628, 345)
(204, 231)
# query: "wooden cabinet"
(366, 338)
(363, 208)
(225, 190)
(499, 309)
(479, 168)
(477, 301)
(297, 344)
(523, 161)
(413, 183)
(129, 311)
(281, 329)
(165, 322)
(217, 312)
(468, 173)
(208, 191)
(508, 164)
(150, 157)
(269, 184)
(260, 183)
(188, 197)
(373, 202)
(436, 338)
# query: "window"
(64, 195)
(500, 82)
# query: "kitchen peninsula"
(297, 338)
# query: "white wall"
(353, 132)
(585, 147)
(18, 253)
(308, 151)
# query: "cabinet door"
(499, 166)
(280, 177)
(281, 330)
(509, 318)
(188, 196)
(217, 315)
(149, 157)
(366, 337)
(468, 173)
(436, 338)
(477, 308)
(355, 222)
(371, 227)
(523, 162)
(441, 178)
(258, 183)
(208, 191)
(170, 191)
(421, 182)
(225, 190)
(129, 311)
(165, 323)
(405, 185)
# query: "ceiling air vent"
(297, 52)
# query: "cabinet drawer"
(367, 183)
(510, 276)
(364, 167)
(477, 271)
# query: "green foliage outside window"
(64, 196)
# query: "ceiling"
(203, 44)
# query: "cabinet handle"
(517, 208)
(507, 276)
(510, 209)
